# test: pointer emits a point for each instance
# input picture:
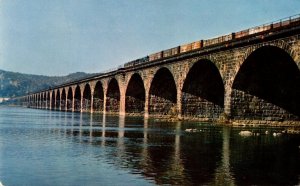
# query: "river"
(42, 147)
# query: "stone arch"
(53, 97)
(154, 70)
(187, 65)
(63, 99)
(295, 52)
(135, 95)
(37, 100)
(29, 101)
(98, 97)
(267, 86)
(279, 44)
(69, 99)
(42, 100)
(113, 96)
(143, 75)
(48, 99)
(163, 93)
(77, 99)
(203, 91)
(33, 101)
(86, 102)
(57, 100)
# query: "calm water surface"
(40, 147)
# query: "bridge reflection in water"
(167, 154)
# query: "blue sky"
(58, 37)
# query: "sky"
(58, 37)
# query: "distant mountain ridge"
(14, 84)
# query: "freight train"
(259, 31)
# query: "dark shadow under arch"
(203, 91)
(57, 104)
(135, 95)
(113, 96)
(53, 100)
(34, 100)
(77, 99)
(98, 97)
(267, 86)
(43, 100)
(86, 102)
(37, 100)
(48, 100)
(163, 94)
(70, 99)
(63, 100)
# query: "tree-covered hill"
(17, 84)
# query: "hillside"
(16, 84)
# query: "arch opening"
(70, 99)
(113, 96)
(98, 97)
(63, 100)
(30, 101)
(57, 104)
(34, 101)
(267, 87)
(53, 100)
(86, 102)
(43, 100)
(135, 95)
(203, 91)
(48, 100)
(77, 99)
(163, 94)
(38, 100)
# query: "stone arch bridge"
(254, 78)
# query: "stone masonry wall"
(249, 107)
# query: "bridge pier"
(46, 101)
(73, 102)
(81, 103)
(179, 102)
(146, 109)
(104, 98)
(66, 101)
(227, 103)
(50, 98)
(92, 101)
(122, 101)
